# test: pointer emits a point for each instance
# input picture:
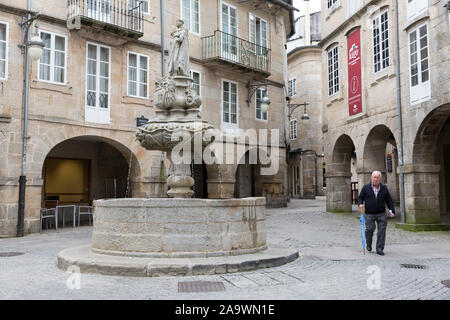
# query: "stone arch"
(106, 168)
(379, 145)
(427, 178)
(339, 197)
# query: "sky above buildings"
(314, 6)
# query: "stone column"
(309, 175)
(339, 192)
(221, 182)
(422, 198)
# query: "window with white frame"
(229, 102)
(333, 71)
(381, 41)
(197, 81)
(293, 129)
(416, 8)
(145, 5)
(331, 3)
(98, 83)
(292, 87)
(260, 115)
(52, 64)
(258, 34)
(419, 64)
(138, 65)
(190, 14)
(353, 6)
(3, 50)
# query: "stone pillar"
(309, 175)
(9, 193)
(422, 198)
(339, 192)
(221, 181)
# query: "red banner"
(354, 73)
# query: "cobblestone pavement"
(331, 265)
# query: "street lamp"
(31, 48)
(291, 107)
(265, 101)
(35, 46)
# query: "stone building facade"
(360, 109)
(97, 76)
(305, 140)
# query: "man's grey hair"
(376, 172)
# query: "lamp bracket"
(252, 89)
(25, 24)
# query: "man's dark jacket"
(374, 204)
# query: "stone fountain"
(177, 235)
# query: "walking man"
(374, 196)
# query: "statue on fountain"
(178, 117)
(178, 64)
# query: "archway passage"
(380, 153)
(427, 179)
(248, 176)
(339, 177)
(82, 169)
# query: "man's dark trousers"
(381, 220)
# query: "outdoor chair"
(85, 210)
(47, 213)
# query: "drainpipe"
(399, 111)
(23, 178)
(163, 70)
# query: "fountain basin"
(182, 228)
(162, 236)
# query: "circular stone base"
(90, 262)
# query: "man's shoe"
(380, 253)
(369, 248)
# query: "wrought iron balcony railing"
(115, 14)
(226, 47)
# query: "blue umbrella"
(363, 233)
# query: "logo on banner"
(355, 84)
(353, 53)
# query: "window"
(133, 4)
(260, 93)
(353, 6)
(229, 28)
(52, 65)
(292, 87)
(229, 102)
(419, 64)
(293, 129)
(415, 8)
(331, 3)
(138, 65)
(381, 42)
(190, 14)
(3, 50)
(333, 71)
(258, 34)
(97, 87)
(197, 82)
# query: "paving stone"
(303, 225)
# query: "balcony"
(111, 21)
(228, 52)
